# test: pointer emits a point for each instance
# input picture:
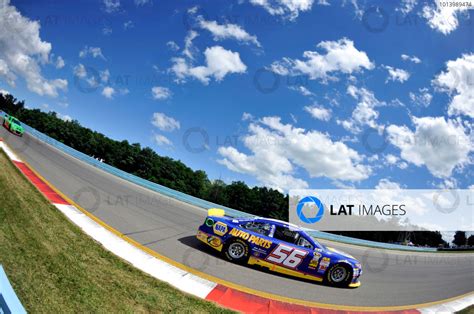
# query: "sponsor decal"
(202, 236)
(257, 251)
(251, 238)
(220, 228)
(323, 265)
(314, 262)
(214, 241)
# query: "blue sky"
(304, 94)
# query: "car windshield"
(258, 227)
(16, 121)
(318, 244)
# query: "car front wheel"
(339, 275)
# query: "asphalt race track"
(391, 278)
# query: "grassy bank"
(54, 267)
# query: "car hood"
(336, 254)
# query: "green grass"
(55, 268)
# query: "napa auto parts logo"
(382, 210)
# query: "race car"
(278, 246)
(13, 124)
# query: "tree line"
(144, 162)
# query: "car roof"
(280, 223)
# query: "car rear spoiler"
(216, 212)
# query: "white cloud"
(172, 45)
(65, 117)
(95, 52)
(106, 30)
(219, 63)
(128, 24)
(80, 71)
(104, 76)
(395, 161)
(277, 149)
(60, 63)
(318, 112)
(413, 59)
(289, 9)
(386, 184)
(124, 91)
(391, 159)
(441, 145)
(165, 123)
(340, 56)
(247, 116)
(142, 2)
(161, 93)
(302, 90)
(423, 97)
(227, 31)
(4, 92)
(189, 48)
(22, 53)
(407, 6)
(395, 74)
(161, 140)
(444, 20)
(458, 80)
(92, 77)
(111, 6)
(108, 92)
(364, 113)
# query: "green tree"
(470, 240)
(460, 238)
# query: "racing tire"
(236, 251)
(339, 275)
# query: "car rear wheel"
(339, 275)
(237, 251)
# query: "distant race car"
(13, 124)
(278, 246)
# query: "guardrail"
(200, 202)
(9, 302)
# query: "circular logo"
(446, 204)
(89, 81)
(204, 140)
(374, 142)
(310, 200)
(266, 81)
(375, 19)
(91, 198)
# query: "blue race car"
(278, 246)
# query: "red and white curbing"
(179, 278)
